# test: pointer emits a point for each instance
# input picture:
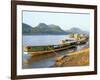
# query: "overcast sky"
(64, 20)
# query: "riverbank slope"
(78, 58)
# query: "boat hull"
(51, 51)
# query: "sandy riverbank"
(78, 58)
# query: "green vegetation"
(42, 29)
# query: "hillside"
(43, 29)
(26, 29)
(77, 31)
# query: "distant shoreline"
(42, 34)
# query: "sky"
(64, 20)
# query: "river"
(48, 60)
(37, 40)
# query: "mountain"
(26, 29)
(77, 30)
(43, 29)
(56, 28)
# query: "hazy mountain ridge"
(26, 29)
(77, 31)
(44, 29)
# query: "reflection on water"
(45, 60)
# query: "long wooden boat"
(38, 50)
(49, 49)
